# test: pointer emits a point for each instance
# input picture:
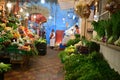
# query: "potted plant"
(4, 68)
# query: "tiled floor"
(46, 67)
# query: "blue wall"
(57, 21)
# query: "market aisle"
(46, 67)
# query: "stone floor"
(46, 67)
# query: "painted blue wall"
(57, 21)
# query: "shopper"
(52, 39)
(77, 31)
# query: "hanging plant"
(78, 9)
(83, 10)
(86, 11)
(112, 6)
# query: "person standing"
(52, 39)
(77, 31)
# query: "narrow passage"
(46, 67)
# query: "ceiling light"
(43, 1)
(68, 15)
(63, 19)
(50, 17)
(73, 17)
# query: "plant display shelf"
(108, 45)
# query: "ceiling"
(50, 1)
(66, 4)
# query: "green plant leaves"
(89, 67)
(4, 67)
(110, 27)
(99, 27)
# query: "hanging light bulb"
(34, 16)
(96, 18)
(21, 10)
(68, 15)
(43, 1)
(50, 17)
(27, 14)
(63, 19)
(9, 6)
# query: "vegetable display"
(109, 29)
(89, 67)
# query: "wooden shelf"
(113, 47)
(108, 45)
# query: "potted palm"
(4, 68)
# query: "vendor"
(52, 39)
